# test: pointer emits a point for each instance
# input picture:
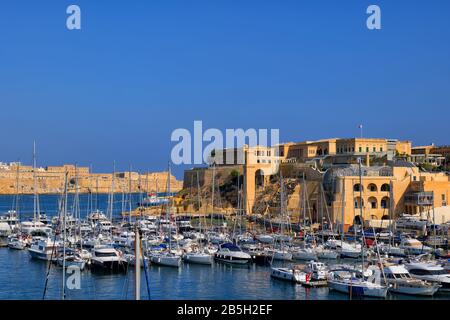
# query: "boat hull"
(174, 262)
(109, 266)
(231, 260)
(38, 255)
(357, 289)
(199, 259)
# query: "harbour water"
(24, 279)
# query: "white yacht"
(305, 254)
(71, 259)
(295, 274)
(400, 281)
(106, 258)
(34, 227)
(430, 272)
(125, 239)
(408, 222)
(280, 254)
(17, 243)
(414, 247)
(11, 218)
(199, 257)
(43, 249)
(392, 251)
(231, 253)
(345, 282)
(265, 238)
(345, 249)
(165, 258)
(326, 254)
(318, 270)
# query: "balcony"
(421, 199)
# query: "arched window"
(373, 203)
(358, 202)
(357, 187)
(372, 187)
(385, 187)
(385, 203)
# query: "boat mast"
(212, 195)
(111, 204)
(36, 209)
(129, 195)
(343, 213)
(16, 204)
(77, 206)
(64, 237)
(137, 268)
(169, 207)
(361, 212)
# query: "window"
(381, 149)
(385, 203)
(374, 149)
(367, 149)
(385, 188)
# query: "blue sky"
(140, 69)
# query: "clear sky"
(140, 69)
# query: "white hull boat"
(166, 259)
(199, 258)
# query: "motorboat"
(400, 281)
(280, 254)
(345, 249)
(258, 254)
(70, 260)
(35, 227)
(165, 258)
(231, 253)
(295, 274)
(391, 251)
(43, 249)
(318, 270)
(345, 281)
(305, 254)
(414, 247)
(430, 272)
(131, 259)
(106, 258)
(125, 239)
(199, 257)
(324, 253)
(265, 238)
(408, 222)
(11, 219)
(17, 243)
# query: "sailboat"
(36, 226)
(199, 255)
(167, 258)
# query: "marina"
(181, 267)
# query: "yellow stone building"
(386, 192)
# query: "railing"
(420, 198)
